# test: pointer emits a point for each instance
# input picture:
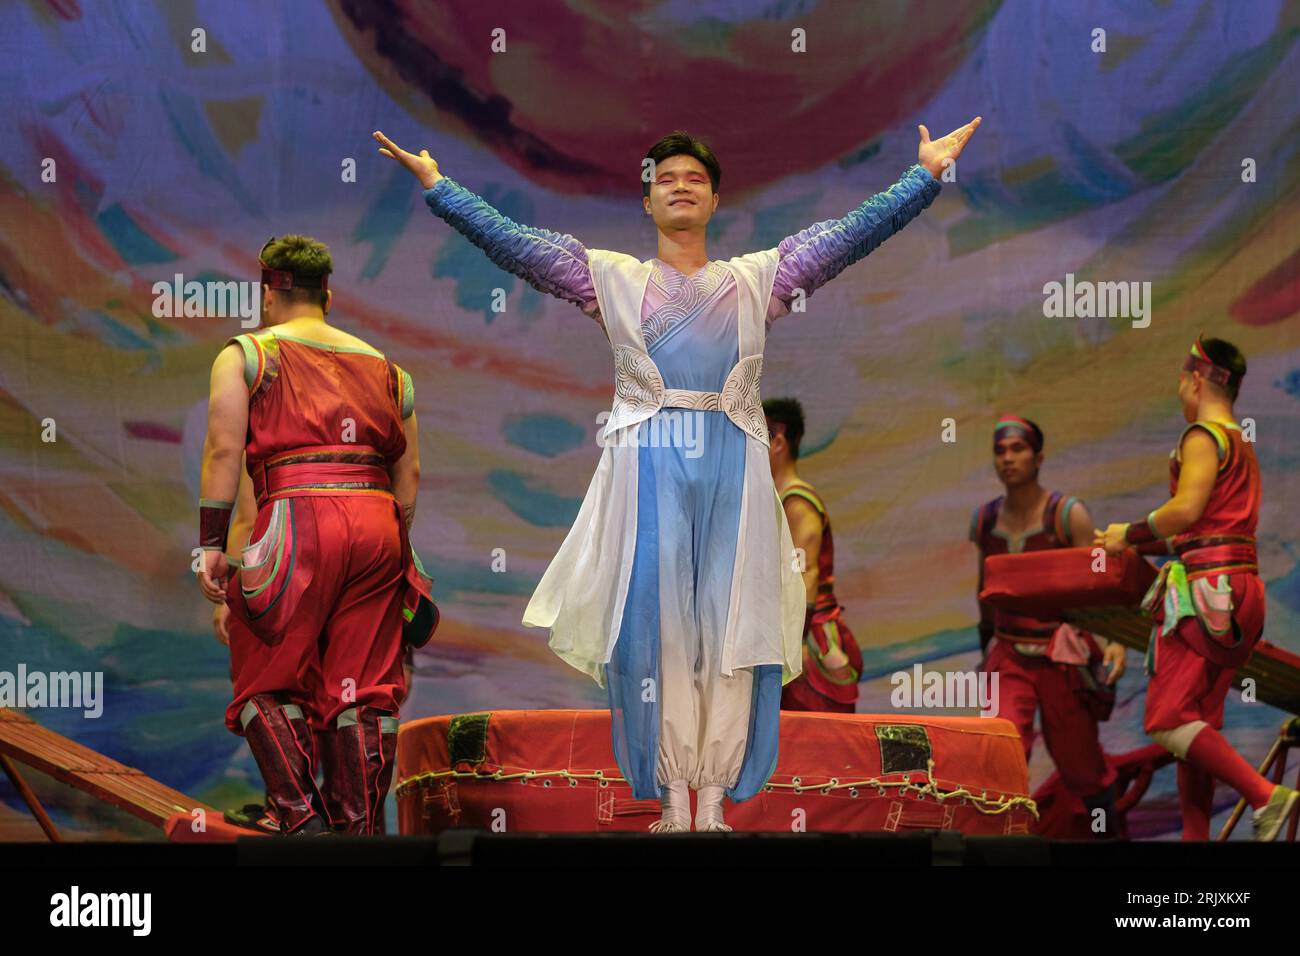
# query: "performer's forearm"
(218, 487)
(1172, 518)
(550, 262)
(219, 478)
(819, 253)
(406, 487)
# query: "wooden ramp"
(25, 741)
(1275, 670)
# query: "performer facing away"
(675, 587)
(1045, 665)
(832, 662)
(1208, 603)
(329, 586)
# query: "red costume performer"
(821, 686)
(832, 662)
(1043, 664)
(1208, 603)
(328, 588)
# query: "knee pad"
(1179, 740)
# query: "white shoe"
(676, 813)
(708, 810)
(1267, 820)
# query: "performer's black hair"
(303, 256)
(681, 143)
(1226, 355)
(787, 412)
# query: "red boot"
(281, 743)
(358, 763)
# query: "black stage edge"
(934, 885)
(925, 848)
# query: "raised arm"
(811, 258)
(550, 262)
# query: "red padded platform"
(1047, 581)
(554, 771)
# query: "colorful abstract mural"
(133, 156)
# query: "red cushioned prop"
(554, 771)
(1044, 582)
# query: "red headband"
(281, 280)
(1200, 361)
(1015, 423)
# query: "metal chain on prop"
(981, 801)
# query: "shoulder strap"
(1057, 516)
(402, 389)
(261, 358)
(802, 491)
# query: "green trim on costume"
(408, 393)
(251, 359)
(276, 510)
(214, 503)
(1063, 519)
(288, 574)
(809, 496)
(328, 348)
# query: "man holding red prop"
(1045, 666)
(1208, 602)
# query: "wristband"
(214, 523)
(1141, 532)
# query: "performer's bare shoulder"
(322, 333)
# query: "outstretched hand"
(935, 154)
(423, 167)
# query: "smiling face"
(681, 196)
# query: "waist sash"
(321, 470)
(1218, 554)
(345, 470)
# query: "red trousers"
(1186, 685)
(327, 631)
(1027, 684)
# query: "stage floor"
(479, 848)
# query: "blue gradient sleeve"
(811, 258)
(548, 261)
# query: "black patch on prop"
(903, 747)
(467, 738)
